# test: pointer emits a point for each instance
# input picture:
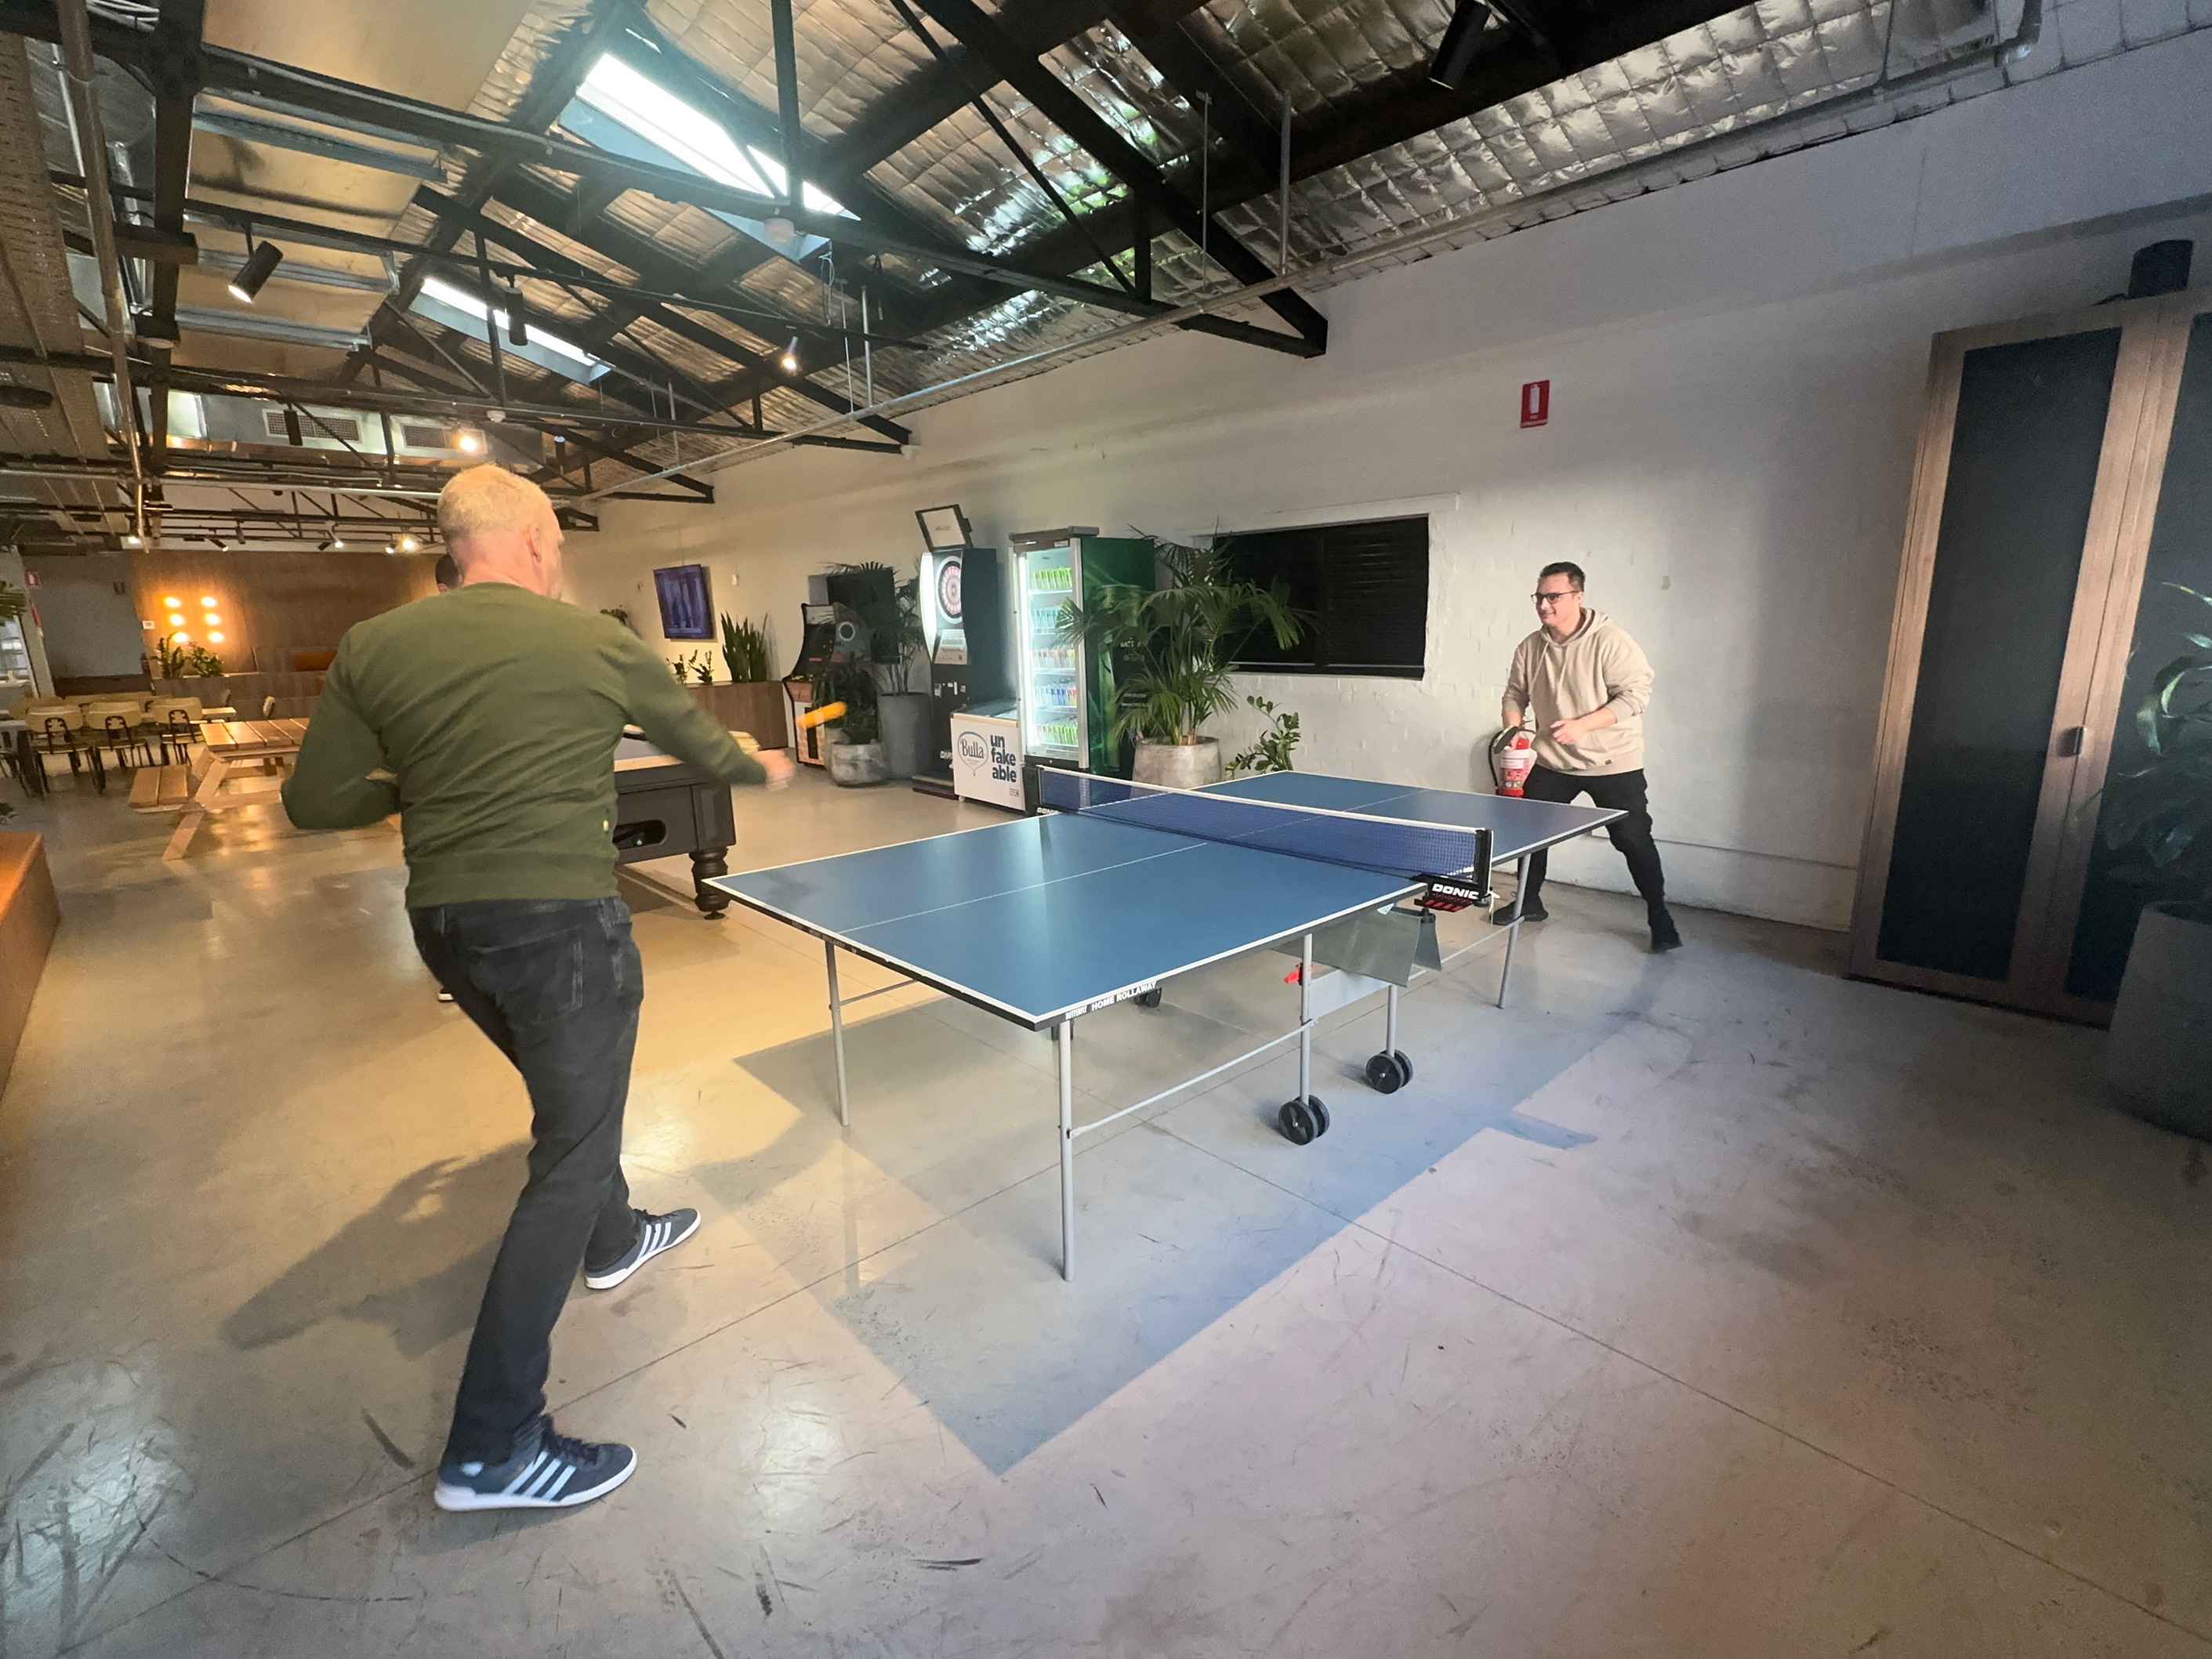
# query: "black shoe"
(1528, 909)
(1663, 936)
(552, 1472)
(655, 1233)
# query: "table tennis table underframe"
(1061, 1024)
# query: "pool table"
(664, 806)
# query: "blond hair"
(486, 499)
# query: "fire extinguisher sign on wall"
(1535, 402)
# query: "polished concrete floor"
(1707, 1305)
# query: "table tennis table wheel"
(1388, 1073)
(1302, 1120)
(1149, 998)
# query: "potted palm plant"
(1169, 649)
(2158, 1059)
(894, 642)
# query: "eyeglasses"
(1553, 598)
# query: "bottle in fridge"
(1066, 693)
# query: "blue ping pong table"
(1118, 887)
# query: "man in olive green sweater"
(487, 717)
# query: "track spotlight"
(259, 266)
(790, 358)
(1462, 40)
(132, 538)
(517, 324)
(471, 443)
(221, 545)
(410, 545)
(333, 543)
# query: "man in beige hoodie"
(1587, 684)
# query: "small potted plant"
(1170, 649)
(2158, 1058)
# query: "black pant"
(1616, 792)
(556, 984)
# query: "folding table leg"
(1513, 933)
(1064, 1043)
(837, 1033)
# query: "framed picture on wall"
(687, 611)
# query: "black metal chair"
(59, 737)
(177, 734)
(126, 738)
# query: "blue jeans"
(556, 984)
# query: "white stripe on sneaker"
(556, 1474)
(535, 1464)
(552, 1495)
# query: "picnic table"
(233, 748)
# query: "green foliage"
(1271, 752)
(172, 659)
(202, 663)
(853, 684)
(693, 665)
(894, 630)
(13, 602)
(617, 613)
(745, 648)
(1166, 651)
(2162, 811)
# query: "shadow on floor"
(416, 1264)
(1180, 1220)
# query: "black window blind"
(1364, 589)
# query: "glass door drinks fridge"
(1067, 695)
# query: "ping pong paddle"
(821, 716)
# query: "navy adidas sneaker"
(655, 1233)
(552, 1472)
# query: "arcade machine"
(829, 631)
(964, 619)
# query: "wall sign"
(1535, 402)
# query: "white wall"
(1736, 368)
(88, 615)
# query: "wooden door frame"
(2123, 502)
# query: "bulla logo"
(972, 749)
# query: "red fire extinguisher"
(1512, 758)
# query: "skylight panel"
(461, 300)
(652, 113)
(616, 89)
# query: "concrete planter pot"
(2158, 1059)
(854, 764)
(1180, 765)
(905, 719)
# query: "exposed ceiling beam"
(1391, 113)
(936, 91)
(1065, 108)
(535, 199)
(1406, 105)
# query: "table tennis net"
(1392, 846)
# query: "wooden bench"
(28, 915)
(161, 788)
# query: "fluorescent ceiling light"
(616, 90)
(461, 300)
